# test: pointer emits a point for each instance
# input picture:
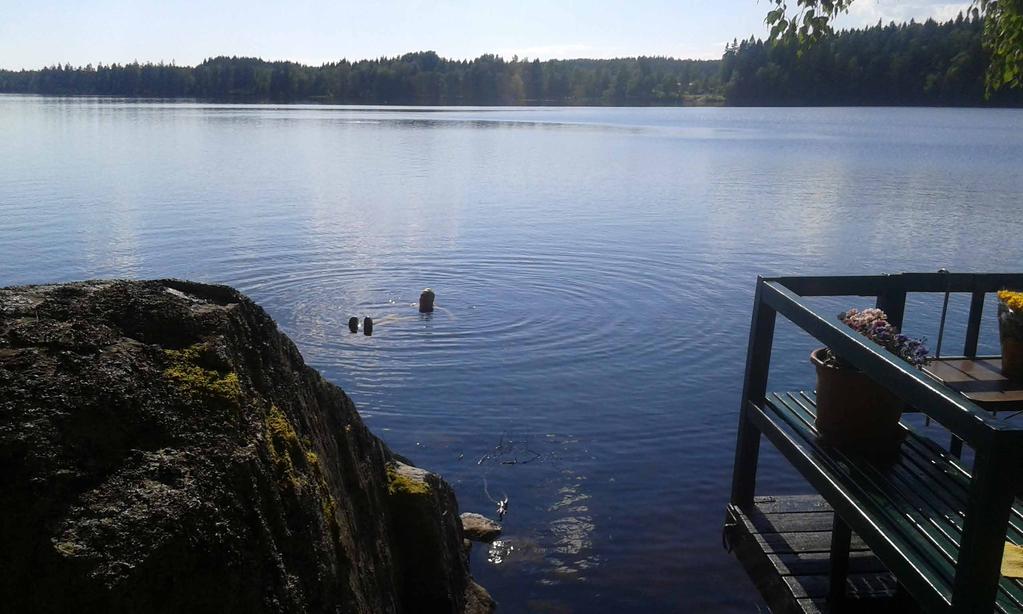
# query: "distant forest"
(421, 78)
(921, 64)
(909, 64)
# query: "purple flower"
(873, 324)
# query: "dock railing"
(998, 444)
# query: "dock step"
(784, 545)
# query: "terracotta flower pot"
(853, 411)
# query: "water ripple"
(593, 270)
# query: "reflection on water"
(562, 549)
(571, 532)
(500, 551)
(594, 270)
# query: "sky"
(36, 33)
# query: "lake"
(594, 271)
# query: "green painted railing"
(998, 444)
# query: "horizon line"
(313, 63)
(320, 64)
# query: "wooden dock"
(784, 544)
(918, 529)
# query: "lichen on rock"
(166, 449)
(187, 370)
(405, 479)
(298, 468)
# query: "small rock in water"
(479, 528)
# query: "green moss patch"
(299, 471)
(286, 452)
(187, 369)
(398, 484)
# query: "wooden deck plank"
(817, 563)
(787, 543)
(948, 371)
(792, 522)
(792, 503)
(979, 380)
(982, 370)
(784, 545)
(872, 586)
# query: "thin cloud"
(869, 12)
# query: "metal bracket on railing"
(944, 311)
(941, 326)
(726, 538)
(731, 523)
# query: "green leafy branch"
(1003, 38)
(809, 21)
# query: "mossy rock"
(166, 449)
(189, 371)
(405, 479)
(299, 472)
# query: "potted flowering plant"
(854, 411)
(1010, 331)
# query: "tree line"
(422, 78)
(810, 20)
(929, 63)
(920, 64)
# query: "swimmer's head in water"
(426, 301)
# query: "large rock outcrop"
(164, 448)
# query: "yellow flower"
(1013, 300)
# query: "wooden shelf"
(980, 380)
(784, 544)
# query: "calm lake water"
(594, 270)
